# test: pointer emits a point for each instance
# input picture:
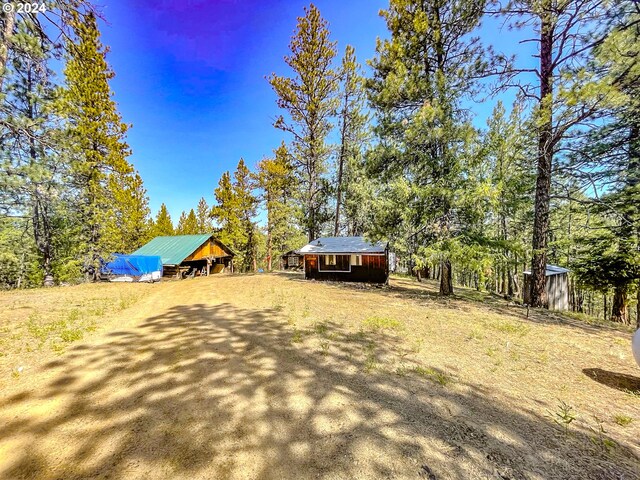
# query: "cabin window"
(356, 260)
(292, 261)
(335, 263)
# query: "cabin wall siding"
(374, 269)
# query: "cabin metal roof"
(174, 249)
(343, 245)
(551, 270)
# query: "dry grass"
(270, 376)
(34, 323)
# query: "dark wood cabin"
(346, 259)
(190, 255)
(292, 260)
(557, 283)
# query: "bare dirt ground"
(269, 376)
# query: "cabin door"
(311, 263)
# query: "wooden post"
(208, 266)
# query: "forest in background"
(390, 152)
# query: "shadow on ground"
(619, 381)
(206, 391)
(427, 291)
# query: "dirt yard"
(272, 377)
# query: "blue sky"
(190, 77)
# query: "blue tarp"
(134, 265)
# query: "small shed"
(189, 254)
(557, 287)
(346, 259)
(292, 260)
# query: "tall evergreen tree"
(247, 209)
(276, 179)
(309, 99)
(188, 224)
(31, 169)
(508, 181)
(181, 222)
(96, 137)
(564, 91)
(163, 226)
(351, 125)
(59, 21)
(203, 215)
(128, 226)
(235, 213)
(610, 254)
(420, 76)
(225, 212)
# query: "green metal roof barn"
(189, 252)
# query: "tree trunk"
(512, 286)
(605, 310)
(619, 307)
(269, 251)
(545, 160)
(42, 230)
(446, 282)
(5, 42)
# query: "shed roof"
(343, 245)
(173, 249)
(551, 270)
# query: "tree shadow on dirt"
(219, 392)
(426, 291)
(619, 381)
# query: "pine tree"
(351, 124)
(276, 179)
(508, 186)
(203, 216)
(32, 171)
(163, 226)
(225, 212)
(181, 223)
(566, 95)
(57, 22)
(609, 256)
(188, 224)
(421, 75)
(96, 137)
(235, 212)
(128, 226)
(247, 204)
(309, 99)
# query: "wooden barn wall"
(208, 249)
(217, 250)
